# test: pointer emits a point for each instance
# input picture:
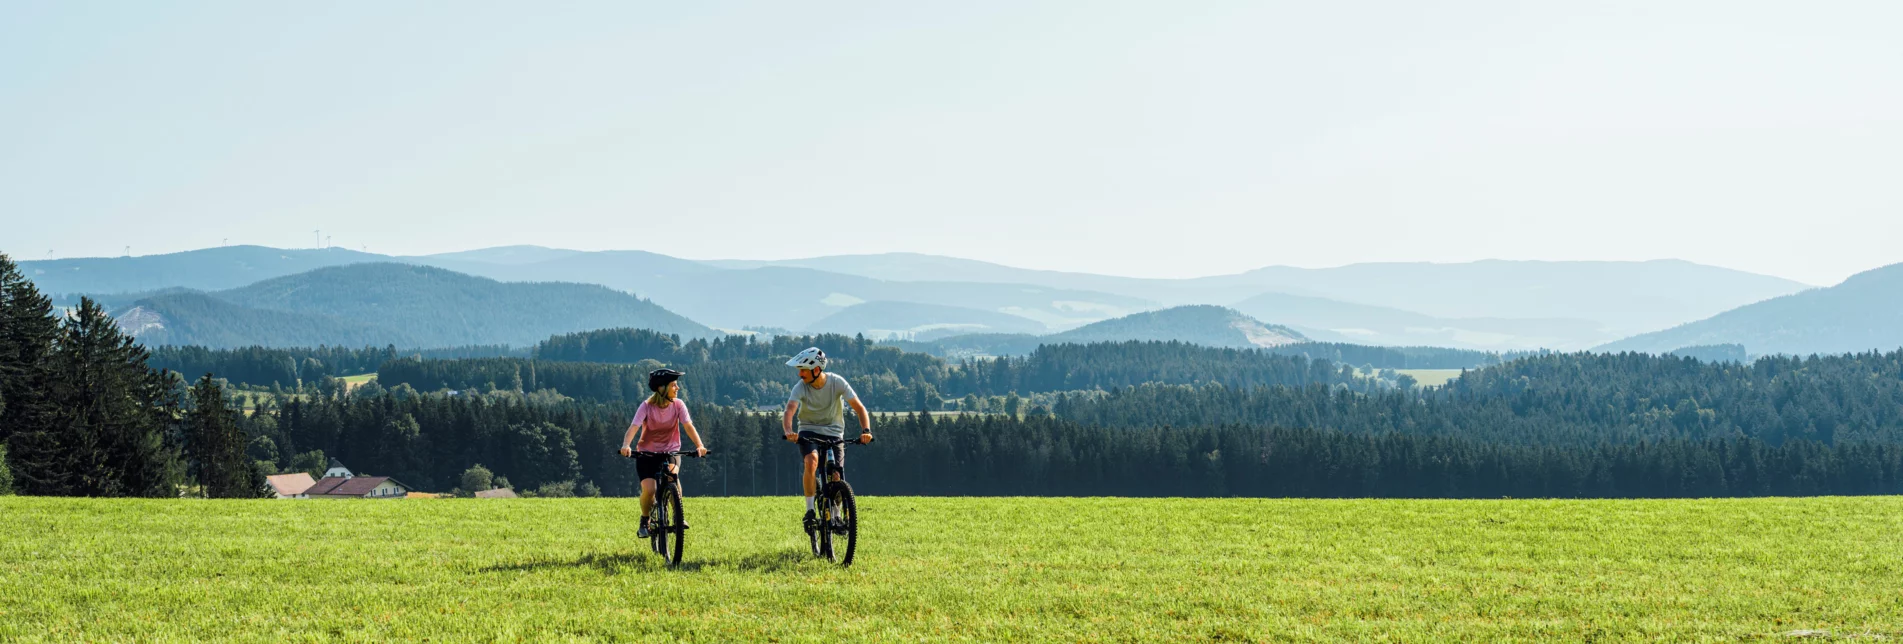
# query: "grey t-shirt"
(823, 410)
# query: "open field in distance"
(954, 568)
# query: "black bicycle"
(838, 515)
(668, 518)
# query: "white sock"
(809, 503)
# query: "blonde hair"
(660, 398)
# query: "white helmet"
(811, 358)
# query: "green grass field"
(954, 569)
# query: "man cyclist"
(819, 401)
(658, 423)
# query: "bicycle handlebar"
(687, 453)
(829, 442)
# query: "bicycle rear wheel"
(842, 529)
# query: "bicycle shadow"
(606, 563)
(775, 561)
(642, 562)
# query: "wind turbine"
(320, 237)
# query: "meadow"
(973, 569)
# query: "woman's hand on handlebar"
(792, 438)
(865, 437)
(700, 451)
(627, 451)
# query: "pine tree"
(215, 443)
(109, 431)
(28, 329)
(6, 475)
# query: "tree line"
(1578, 399)
(83, 414)
(289, 367)
(885, 378)
(430, 440)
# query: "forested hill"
(382, 304)
(1863, 313)
(1210, 326)
(1566, 399)
(739, 372)
(208, 269)
(200, 319)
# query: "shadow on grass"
(607, 563)
(780, 561)
(638, 562)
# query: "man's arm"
(786, 422)
(865, 419)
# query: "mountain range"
(385, 303)
(1491, 305)
(1863, 313)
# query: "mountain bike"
(668, 518)
(838, 514)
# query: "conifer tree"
(27, 332)
(215, 443)
(6, 475)
(109, 430)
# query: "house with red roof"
(340, 483)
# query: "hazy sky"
(1156, 138)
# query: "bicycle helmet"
(811, 358)
(659, 378)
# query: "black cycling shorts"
(808, 447)
(648, 466)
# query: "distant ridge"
(1863, 313)
(1211, 326)
(384, 303)
(913, 321)
(1492, 304)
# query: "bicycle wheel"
(823, 535)
(658, 527)
(844, 524)
(676, 525)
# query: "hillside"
(406, 305)
(1211, 326)
(208, 269)
(913, 321)
(205, 320)
(1620, 297)
(796, 298)
(1329, 320)
(1865, 312)
(1493, 305)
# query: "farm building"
(290, 486)
(498, 493)
(358, 487)
(340, 483)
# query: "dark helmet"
(659, 378)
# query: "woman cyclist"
(657, 423)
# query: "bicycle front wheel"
(842, 528)
(675, 525)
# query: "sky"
(1158, 139)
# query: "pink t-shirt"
(660, 426)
